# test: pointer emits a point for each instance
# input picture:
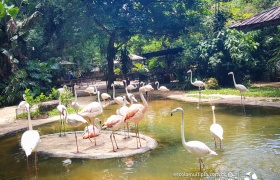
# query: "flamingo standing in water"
(61, 110)
(239, 87)
(75, 105)
(92, 110)
(136, 112)
(105, 96)
(113, 123)
(198, 84)
(196, 148)
(92, 130)
(119, 100)
(75, 121)
(216, 129)
(129, 94)
(30, 140)
(161, 88)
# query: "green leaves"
(8, 10)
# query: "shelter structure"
(270, 17)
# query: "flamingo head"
(230, 73)
(97, 120)
(189, 71)
(176, 110)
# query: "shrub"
(212, 83)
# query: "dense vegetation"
(36, 35)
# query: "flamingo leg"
(112, 142)
(35, 162)
(220, 144)
(115, 141)
(201, 164)
(76, 142)
(137, 135)
(27, 166)
(60, 126)
(215, 143)
(127, 130)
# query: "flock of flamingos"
(128, 112)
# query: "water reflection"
(251, 144)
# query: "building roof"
(270, 17)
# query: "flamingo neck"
(145, 103)
(157, 85)
(76, 98)
(126, 91)
(191, 78)
(29, 119)
(59, 99)
(114, 91)
(182, 130)
(98, 94)
(214, 118)
(233, 80)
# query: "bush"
(212, 83)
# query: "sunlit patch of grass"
(253, 92)
(54, 112)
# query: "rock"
(47, 106)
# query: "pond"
(251, 144)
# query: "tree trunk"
(111, 53)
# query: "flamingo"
(161, 88)
(92, 110)
(30, 140)
(92, 130)
(105, 96)
(196, 148)
(131, 87)
(198, 84)
(75, 121)
(239, 87)
(123, 110)
(127, 93)
(136, 112)
(61, 110)
(75, 105)
(118, 99)
(216, 129)
(114, 122)
(90, 90)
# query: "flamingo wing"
(30, 141)
(217, 131)
(198, 149)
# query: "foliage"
(212, 83)
(141, 67)
(66, 97)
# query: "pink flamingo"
(114, 122)
(75, 121)
(136, 112)
(216, 129)
(92, 130)
(92, 110)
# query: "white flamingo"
(129, 94)
(75, 121)
(113, 123)
(30, 140)
(92, 110)
(92, 130)
(105, 96)
(239, 87)
(216, 129)
(75, 105)
(61, 110)
(90, 90)
(161, 88)
(119, 100)
(196, 148)
(198, 84)
(136, 112)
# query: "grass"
(253, 92)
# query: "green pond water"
(251, 144)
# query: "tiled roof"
(266, 18)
